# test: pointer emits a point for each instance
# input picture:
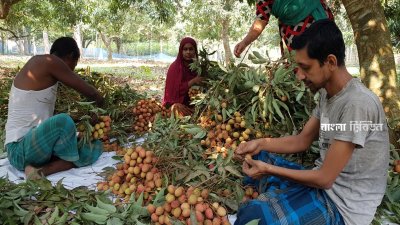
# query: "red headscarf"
(178, 77)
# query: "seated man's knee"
(64, 119)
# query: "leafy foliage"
(38, 202)
(119, 98)
(390, 206)
(268, 95)
(392, 13)
(6, 78)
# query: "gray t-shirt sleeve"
(356, 116)
(316, 112)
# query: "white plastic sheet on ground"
(83, 176)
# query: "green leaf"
(200, 135)
(233, 171)
(53, 216)
(239, 193)
(96, 210)
(109, 207)
(36, 221)
(254, 99)
(114, 221)
(159, 199)
(224, 115)
(117, 157)
(249, 84)
(97, 218)
(28, 217)
(258, 55)
(283, 105)
(253, 112)
(62, 219)
(19, 211)
(299, 96)
(196, 174)
(193, 219)
(226, 201)
(276, 107)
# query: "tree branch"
(14, 35)
(5, 6)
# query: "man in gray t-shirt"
(355, 115)
(350, 124)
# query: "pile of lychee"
(135, 175)
(99, 127)
(249, 194)
(224, 135)
(182, 202)
(145, 112)
(114, 147)
(193, 92)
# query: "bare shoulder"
(40, 62)
(47, 59)
(36, 73)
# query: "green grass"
(142, 73)
(117, 71)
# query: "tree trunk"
(78, 37)
(5, 6)
(20, 44)
(46, 42)
(375, 53)
(150, 42)
(118, 43)
(86, 43)
(34, 46)
(3, 43)
(26, 46)
(107, 43)
(225, 40)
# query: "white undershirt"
(27, 109)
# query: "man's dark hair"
(65, 46)
(322, 38)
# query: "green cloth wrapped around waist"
(56, 136)
(292, 12)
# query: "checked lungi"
(56, 136)
(285, 202)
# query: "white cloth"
(83, 176)
(27, 109)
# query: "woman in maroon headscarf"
(180, 78)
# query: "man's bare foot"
(33, 173)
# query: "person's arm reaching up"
(255, 30)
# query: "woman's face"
(189, 52)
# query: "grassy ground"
(136, 69)
(144, 76)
